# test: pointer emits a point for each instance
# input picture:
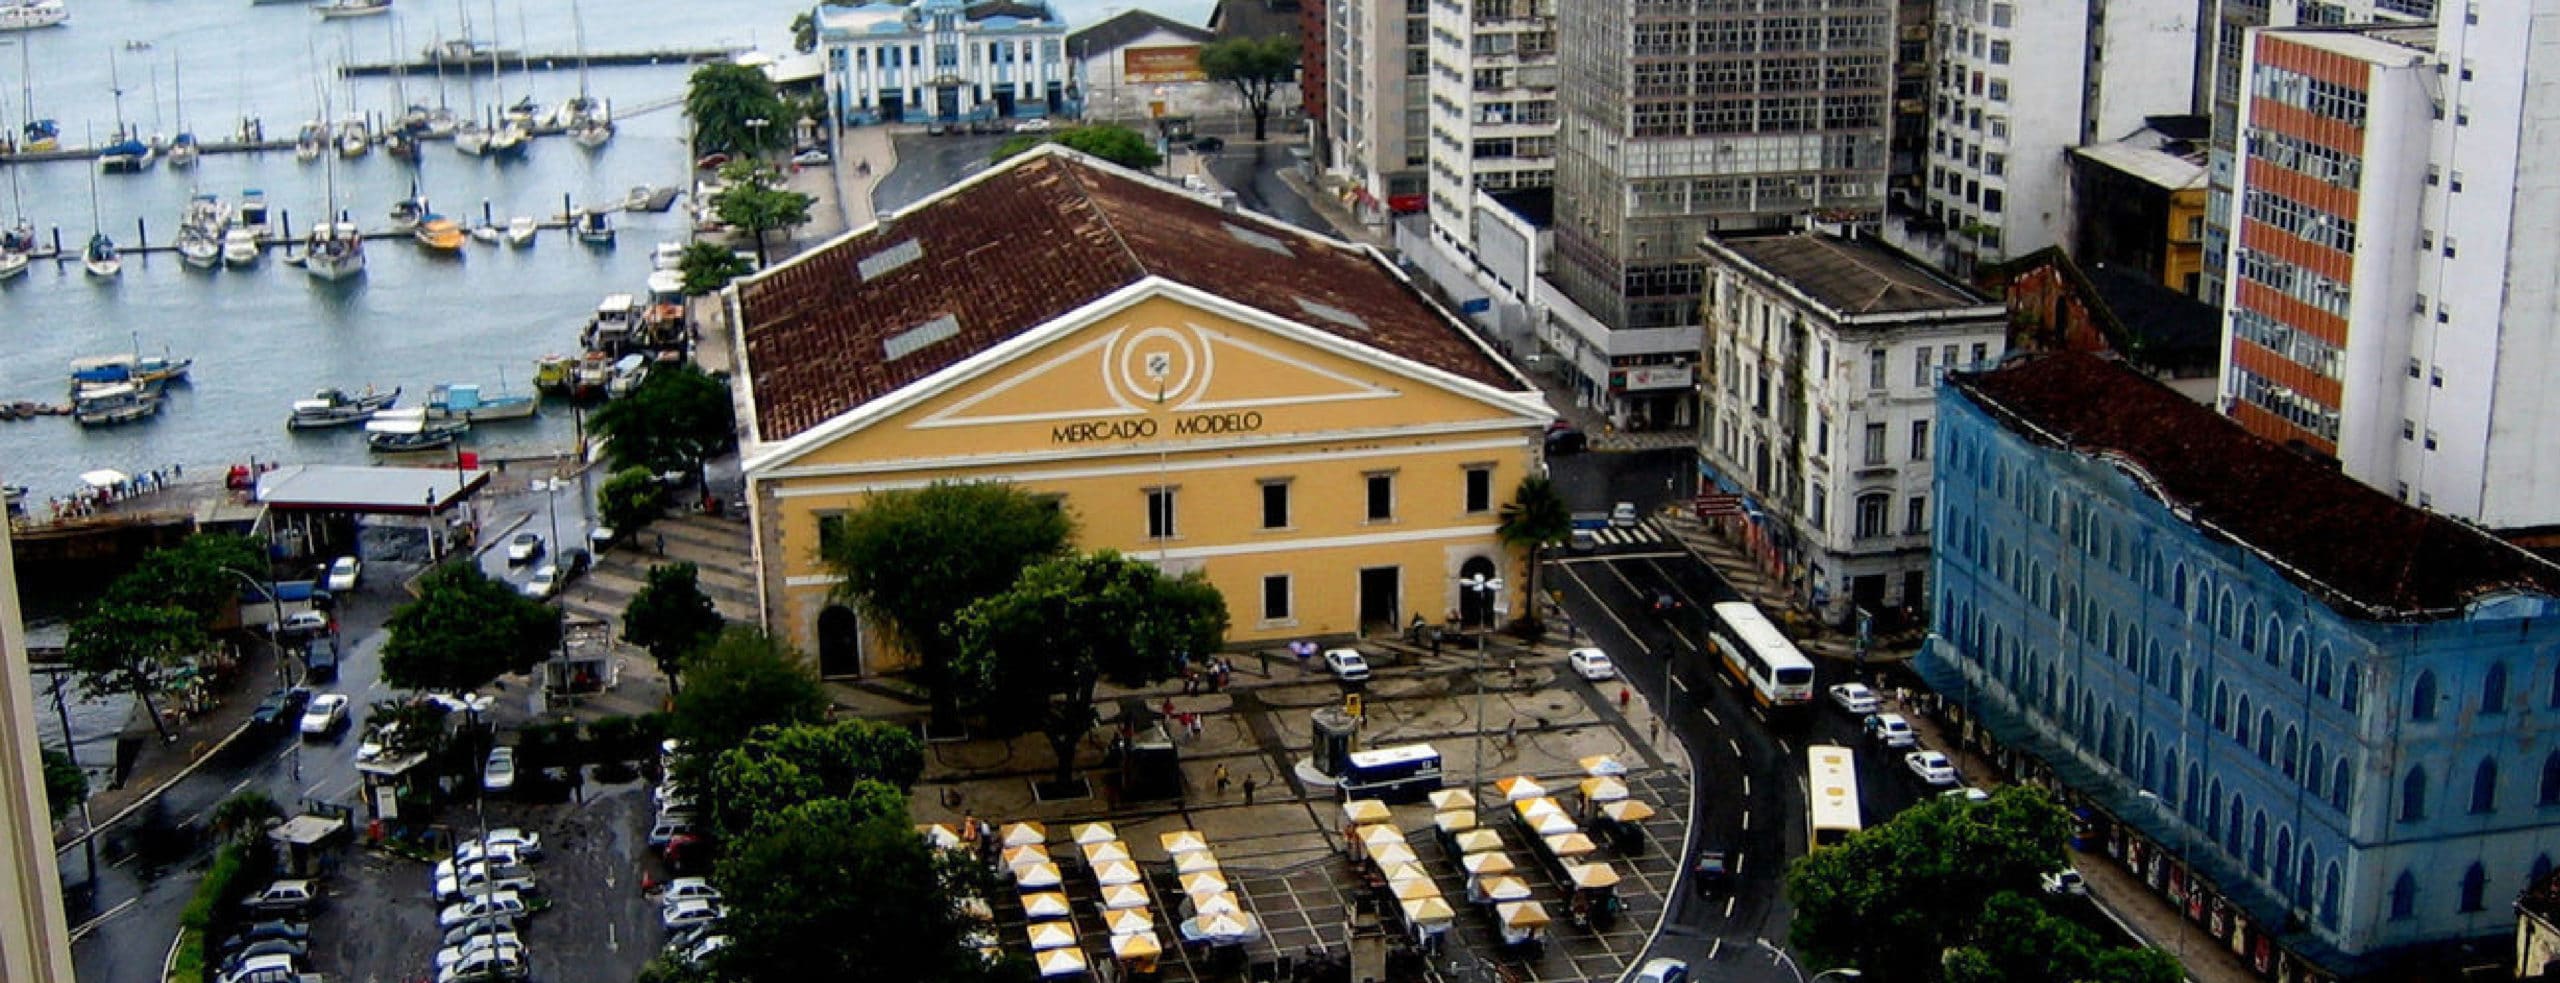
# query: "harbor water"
(264, 336)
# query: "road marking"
(1746, 820)
(1784, 749)
(93, 923)
(1737, 863)
(612, 937)
(1759, 716)
(1711, 716)
(1746, 786)
(1684, 687)
(1718, 945)
(1613, 615)
(1728, 916)
(1735, 745)
(1613, 558)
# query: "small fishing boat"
(471, 138)
(114, 403)
(333, 407)
(100, 259)
(440, 234)
(126, 157)
(487, 233)
(593, 228)
(407, 212)
(198, 249)
(334, 252)
(593, 373)
(463, 401)
(409, 431)
(591, 133)
(628, 373)
(253, 210)
(183, 150)
(510, 139)
(353, 8)
(155, 370)
(13, 263)
(554, 375)
(521, 230)
(240, 247)
(354, 138)
(309, 144)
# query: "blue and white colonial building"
(944, 60)
(2324, 723)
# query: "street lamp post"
(1779, 956)
(1486, 588)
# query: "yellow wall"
(2184, 257)
(1241, 405)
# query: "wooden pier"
(559, 62)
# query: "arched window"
(2484, 786)
(2328, 910)
(2320, 675)
(2550, 780)
(2422, 696)
(2404, 897)
(2240, 722)
(2413, 794)
(2258, 844)
(2289, 754)
(2249, 631)
(2302, 880)
(2222, 614)
(2475, 887)
(2350, 685)
(2194, 797)
(2298, 656)
(2282, 876)
(2342, 781)
(2178, 600)
(2232, 826)
(2493, 689)
(2169, 774)
(2212, 807)
(2266, 736)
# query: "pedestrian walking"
(1266, 661)
(1248, 789)
(1625, 696)
(1167, 709)
(1195, 726)
(1222, 780)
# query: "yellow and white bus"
(1831, 795)
(1759, 657)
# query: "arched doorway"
(839, 642)
(1475, 607)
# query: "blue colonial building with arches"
(2328, 712)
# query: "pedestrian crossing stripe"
(1642, 532)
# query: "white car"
(545, 582)
(684, 888)
(273, 966)
(500, 774)
(476, 879)
(1041, 125)
(1623, 515)
(1856, 698)
(523, 548)
(2065, 881)
(452, 954)
(486, 966)
(525, 844)
(1591, 664)
(1969, 794)
(1347, 665)
(812, 158)
(1931, 766)
(344, 573)
(689, 912)
(326, 714)
(302, 623)
(1663, 971)
(1891, 730)
(504, 904)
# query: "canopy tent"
(1122, 921)
(1136, 945)
(1087, 834)
(1037, 875)
(1194, 862)
(1227, 929)
(1428, 911)
(1045, 905)
(1603, 789)
(1522, 914)
(1060, 962)
(1218, 903)
(104, 478)
(1380, 835)
(1362, 811)
(1183, 841)
(1532, 808)
(1404, 871)
(1209, 882)
(1602, 764)
(1627, 811)
(1488, 863)
(1595, 875)
(1453, 798)
(1455, 820)
(1552, 824)
(1569, 845)
(1503, 887)
(1025, 834)
(1479, 841)
(1115, 873)
(1124, 897)
(1016, 858)
(1518, 787)
(1419, 887)
(938, 836)
(1050, 935)
(1392, 853)
(1107, 851)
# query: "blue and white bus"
(1405, 773)
(1759, 657)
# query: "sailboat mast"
(115, 83)
(578, 27)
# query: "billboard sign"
(1176, 64)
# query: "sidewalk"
(157, 764)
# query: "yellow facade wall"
(2182, 263)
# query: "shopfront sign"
(1191, 425)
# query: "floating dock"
(559, 62)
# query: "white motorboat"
(487, 233)
(253, 210)
(666, 256)
(336, 407)
(510, 140)
(407, 431)
(240, 247)
(27, 15)
(335, 252)
(521, 230)
(114, 403)
(471, 138)
(593, 228)
(13, 263)
(311, 142)
(353, 8)
(100, 259)
(199, 250)
(464, 401)
(354, 138)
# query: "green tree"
(1035, 652)
(632, 498)
(709, 266)
(121, 647)
(2015, 940)
(1900, 894)
(804, 33)
(243, 817)
(679, 418)
(723, 99)
(407, 726)
(757, 209)
(1117, 144)
(1255, 67)
(832, 892)
(745, 680)
(200, 574)
(465, 629)
(671, 616)
(64, 783)
(1536, 517)
(911, 559)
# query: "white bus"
(1831, 795)
(1761, 658)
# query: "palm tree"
(1535, 518)
(240, 818)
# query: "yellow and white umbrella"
(1045, 905)
(1105, 852)
(1234, 925)
(1183, 841)
(1591, 875)
(1050, 935)
(1532, 808)
(1569, 845)
(1016, 858)
(1601, 764)
(1603, 789)
(1194, 862)
(1428, 911)
(1365, 811)
(1036, 875)
(1025, 834)
(1136, 945)
(1452, 798)
(1392, 853)
(1522, 914)
(1115, 872)
(1060, 962)
(1126, 920)
(1404, 871)
(1479, 841)
(1518, 787)
(1419, 887)
(1488, 863)
(1552, 824)
(1380, 834)
(1203, 883)
(938, 836)
(1627, 811)
(1503, 887)
(1217, 903)
(1087, 834)
(1455, 820)
(1122, 897)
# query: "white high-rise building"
(35, 937)
(1377, 57)
(1493, 105)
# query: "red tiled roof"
(1044, 234)
(2338, 537)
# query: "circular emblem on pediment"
(1158, 365)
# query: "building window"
(2550, 795)
(2475, 885)
(1382, 497)
(1275, 505)
(1919, 440)
(2413, 795)
(1479, 490)
(1875, 368)
(1875, 445)
(1275, 597)
(1160, 513)
(830, 532)
(1920, 367)
(2493, 689)
(2422, 696)
(2404, 897)
(1917, 523)
(1872, 509)
(2484, 787)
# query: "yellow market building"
(1206, 388)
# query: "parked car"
(1666, 604)
(1968, 793)
(1932, 767)
(1623, 515)
(703, 947)
(490, 965)
(502, 904)
(326, 715)
(266, 931)
(1891, 730)
(1583, 541)
(575, 563)
(482, 927)
(302, 624)
(1663, 970)
(483, 878)
(1347, 665)
(1567, 440)
(280, 708)
(288, 897)
(669, 828)
(502, 839)
(812, 158)
(2064, 882)
(523, 548)
(1040, 125)
(1591, 664)
(544, 583)
(320, 658)
(449, 955)
(1208, 145)
(689, 887)
(298, 952)
(500, 773)
(1856, 698)
(265, 969)
(343, 574)
(689, 912)
(1710, 872)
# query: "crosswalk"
(1642, 533)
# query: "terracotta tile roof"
(2362, 551)
(1042, 235)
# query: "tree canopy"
(746, 679)
(757, 208)
(2015, 940)
(123, 647)
(64, 783)
(1255, 68)
(671, 616)
(911, 559)
(709, 266)
(778, 767)
(465, 629)
(200, 574)
(832, 890)
(632, 498)
(1117, 144)
(722, 97)
(678, 418)
(1035, 651)
(1900, 894)
(1536, 517)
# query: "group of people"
(1208, 676)
(93, 500)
